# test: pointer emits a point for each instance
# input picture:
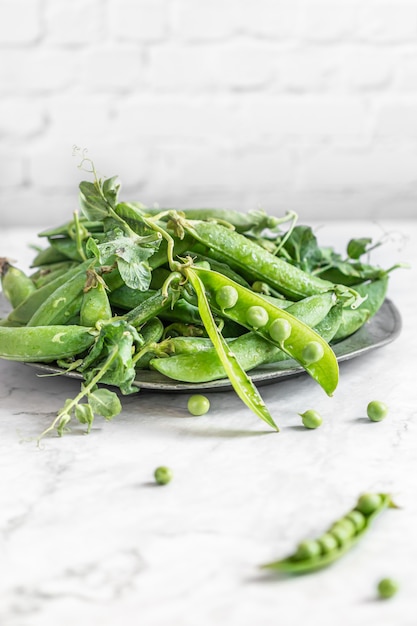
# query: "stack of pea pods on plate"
(197, 295)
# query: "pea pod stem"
(85, 390)
(241, 383)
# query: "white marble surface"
(86, 537)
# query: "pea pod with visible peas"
(302, 343)
(315, 554)
(196, 360)
(241, 383)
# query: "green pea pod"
(95, 305)
(153, 306)
(199, 362)
(242, 222)
(66, 229)
(67, 247)
(15, 284)
(48, 273)
(241, 383)
(343, 534)
(351, 322)
(324, 370)
(7, 322)
(44, 343)
(151, 333)
(243, 254)
(63, 303)
(313, 309)
(375, 292)
(126, 298)
(26, 309)
(191, 345)
(330, 324)
(218, 266)
(47, 256)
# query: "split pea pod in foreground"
(195, 294)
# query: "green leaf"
(92, 249)
(118, 340)
(84, 414)
(105, 403)
(303, 248)
(62, 424)
(93, 205)
(131, 257)
(357, 247)
(111, 190)
(135, 274)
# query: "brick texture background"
(308, 105)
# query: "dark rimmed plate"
(383, 328)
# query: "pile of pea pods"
(196, 294)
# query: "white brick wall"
(283, 104)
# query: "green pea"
(256, 316)
(377, 410)
(307, 549)
(312, 352)
(387, 588)
(203, 264)
(163, 475)
(226, 297)
(260, 287)
(328, 543)
(368, 503)
(357, 518)
(341, 533)
(280, 330)
(311, 418)
(347, 525)
(198, 404)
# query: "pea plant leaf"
(303, 248)
(131, 257)
(84, 414)
(97, 198)
(357, 247)
(105, 403)
(117, 340)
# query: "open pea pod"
(323, 367)
(240, 381)
(346, 533)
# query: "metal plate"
(383, 328)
